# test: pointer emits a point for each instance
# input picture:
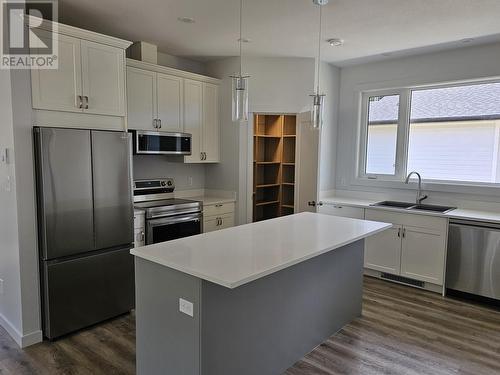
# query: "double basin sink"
(414, 207)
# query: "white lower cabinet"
(415, 247)
(423, 254)
(218, 216)
(383, 251)
(139, 228)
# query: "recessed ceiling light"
(467, 40)
(244, 40)
(336, 42)
(185, 19)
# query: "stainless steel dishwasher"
(473, 262)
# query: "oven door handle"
(174, 220)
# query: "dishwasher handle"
(476, 224)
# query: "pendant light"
(318, 98)
(240, 85)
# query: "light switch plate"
(4, 155)
(186, 307)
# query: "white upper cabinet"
(103, 79)
(141, 99)
(90, 77)
(59, 89)
(201, 113)
(154, 101)
(193, 118)
(169, 99)
(211, 127)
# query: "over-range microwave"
(161, 143)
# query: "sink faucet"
(420, 197)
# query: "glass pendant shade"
(240, 98)
(317, 110)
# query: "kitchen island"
(248, 300)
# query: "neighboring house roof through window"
(474, 102)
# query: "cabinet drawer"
(218, 209)
(139, 220)
(343, 211)
(408, 219)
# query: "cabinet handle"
(320, 204)
(201, 155)
(80, 101)
(142, 236)
(399, 232)
(218, 205)
(86, 102)
(221, 221)
(155, 123)
(404, 232)
(159, 121)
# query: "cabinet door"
(59, 89)
(227, 221)
(211, 126)
(383, 251)
(139, 237)
(169, 97)
(423, 254)
(141, 98)
(211, 224)
(193, 118)
(103, 78)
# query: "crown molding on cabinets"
(76, 32)
(171, 71)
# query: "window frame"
(402, 143)
(402, 134)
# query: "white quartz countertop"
(210, 200)
(238, 255)
(458, 213)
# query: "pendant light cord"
(241, 22)
(318, 68)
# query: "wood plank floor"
(402, 331)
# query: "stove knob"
(169, 183)
(163, 183)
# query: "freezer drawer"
(473, 263)
(84, 291)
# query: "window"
(449, 134)
(381, 139)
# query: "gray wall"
(154, 166)
(181, 63)
(20, 304)
(448, 66)
(10, 300)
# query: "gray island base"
(260, 328)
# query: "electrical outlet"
(186, 307)
(1, 286)
(190, 181)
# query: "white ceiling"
(289, 27)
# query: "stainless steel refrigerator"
(85, 226)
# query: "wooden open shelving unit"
(274, 165)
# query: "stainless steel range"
(167, 218)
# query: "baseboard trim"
(32, 338)
(21, 340)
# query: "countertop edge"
(233, 285)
